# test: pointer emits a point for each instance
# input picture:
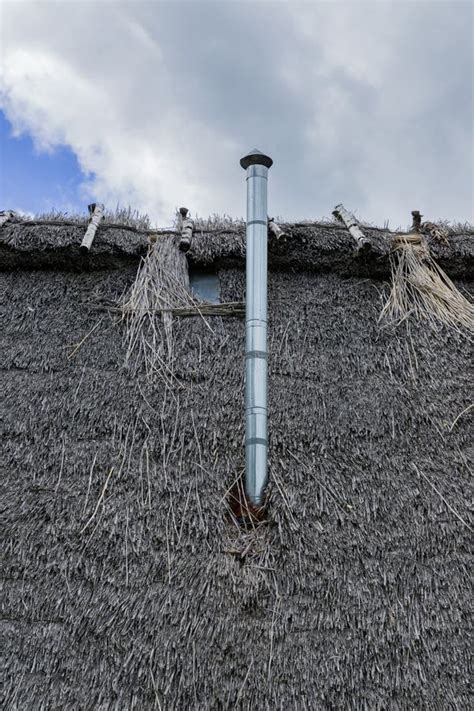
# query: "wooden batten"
(363, 242)
(186, 228)
(276, 230)
(97, 214)
(416, 220)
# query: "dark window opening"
(205, 286)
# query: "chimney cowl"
(256, 157)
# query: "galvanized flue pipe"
(256, 443)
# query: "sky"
(152, 104)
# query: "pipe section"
(256, 443)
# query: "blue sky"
(369, 103)
(36, 181)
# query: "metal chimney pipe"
(256, 444)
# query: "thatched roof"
(128, 585)
(310, 246)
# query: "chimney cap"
(256, 157)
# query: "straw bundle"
(422, 288)
(161, 285)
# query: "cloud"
(23, 213)
(368, 103)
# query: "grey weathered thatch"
(127, 583)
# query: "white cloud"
(142, 154)
(23, 213)
(362, 102)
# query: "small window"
(205, 286)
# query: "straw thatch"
(309, 246)
(161, 285)
(421, 288)
(128, 585)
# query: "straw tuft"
(161, 285)
(421, 288)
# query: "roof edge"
(309, 246)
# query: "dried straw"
(161, 285)
(422, 288)
(353, 594)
